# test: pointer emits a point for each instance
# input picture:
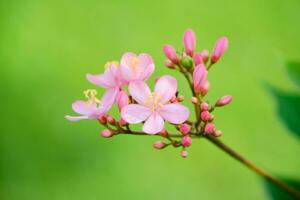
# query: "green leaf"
(277, 193)
(293, 69)
(288, 109)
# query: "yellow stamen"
(115, 63)
(153, 101)
(133, 63)
(91, 94)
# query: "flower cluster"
(164, 104)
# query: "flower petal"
(139, 91)
(75, 118)
(126, 72)
(154, 124)
(83, 108)
(135, 113)
(103, 80)
(166, 87)
(175, 113)
(109, 97)
(146, 65)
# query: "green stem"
(253, 167)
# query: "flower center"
(115, 63)
(91, 94)
(153, 101)
(133, 63)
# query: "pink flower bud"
(102, 119)
(111, 120)
(180, 98)
(220, 48)
(122, 99)
(204, 88)
(186, 141)
(106, 133)
(217, 133)
(156, 79)
(199, 77)
(224, 101)
(184, 154)
(209, 128)
(184, 129)
(169, 63)
(194, 100)
(197, 58)
(206, 116)
(122, 122)
(205, 55)
(170, 53)
(189, 41)
(173, 99)
(164, 133)
(159, 145)
(204, 106)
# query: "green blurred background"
(47, 47)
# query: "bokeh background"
(47, 47)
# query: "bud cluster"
(137, 104)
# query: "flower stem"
(252, 166)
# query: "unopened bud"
(187, 62)
(224, 101)
(173, 99)
(205, 55)
(209, 128)
(186, 141)
(197, 58)
(189, 41)
(159, 145)
(184, 153)
(107, 133)
(122, 122)
(184, 129)
(217, 133)
(180, 98)
(102, 119)
(220, 48)
(164, 133)
(111, 120)
(206, 116)
(170, 53)
(204, 106)
(169, 63)
(194, 100)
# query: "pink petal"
(75, 118)
(140, 91)
(175, 113)
(126, 56)
(109, 97)
(83, 107)
(134, 113)
(146, 65)
(105, 80)
(189, 41)
(122, 99)
(166, 87)
(154, 124)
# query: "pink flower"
(184, 129)
(220, 48)
(204, 54)
(199, 77)
(136, 67)
(154, 108)
(170, 53)
(186, 141)
(111, 80)
(88, 109)
(209, 128)
(189, 41)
